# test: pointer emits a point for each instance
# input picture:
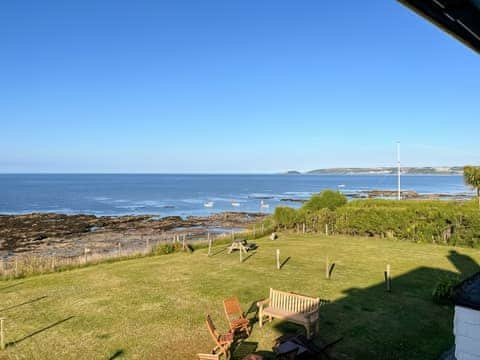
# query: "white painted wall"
(466, 328)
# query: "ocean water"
(185, 195)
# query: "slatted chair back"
(293, 303)
(232, 307)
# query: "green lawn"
(154, 308)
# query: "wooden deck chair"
(208, 357)
(223, 342)
(235, 316)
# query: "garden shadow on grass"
(218, 252)
(36, 332)
(250, 254)
(402, 324)
(285, 262)
(243, 348)
(10, 286)
(118, 353)
(465, 265)
(24, 303)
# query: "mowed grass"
(154, 308)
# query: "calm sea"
(185, 195)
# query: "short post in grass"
(388, 279)
(85, 254)
(326, 229)
(53, 262)
(183, 242)
(119, 247)
(327, 268)
(278, 259)
(303, 230)
(209, 244)
(16, 266)
(254, 231)
(2, 333)
(147, 244)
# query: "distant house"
(466, 326)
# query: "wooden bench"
(296, 308)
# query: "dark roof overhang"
(467, 293)
(460, 18)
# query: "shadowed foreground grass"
(154, 308)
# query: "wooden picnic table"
(241, 245)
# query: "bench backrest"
(291, 302)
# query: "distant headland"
(440, 170)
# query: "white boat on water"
(235, 204)
(264, 205)
(208, 204)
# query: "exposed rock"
(40, 232)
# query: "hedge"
(443, 222)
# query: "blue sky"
(230, 86)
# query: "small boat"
(235, 203)
(208, 204)
(264, 205)
(341, 186)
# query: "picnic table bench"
(296, 308)
(241, 245)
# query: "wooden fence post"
(278, 259)
(388, 279)
(2, 334)
(326, 229)
(53, 262)
(209, 244)
(327, 269)
(183, 242)
(304, 228)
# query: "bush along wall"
(442, 222)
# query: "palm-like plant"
(471, 175)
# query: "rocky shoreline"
(51, 233)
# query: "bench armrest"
(312, 315)
(262, 303)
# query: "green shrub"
(443, 290)
(327, 199)
(284, 216)
(165, 249)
